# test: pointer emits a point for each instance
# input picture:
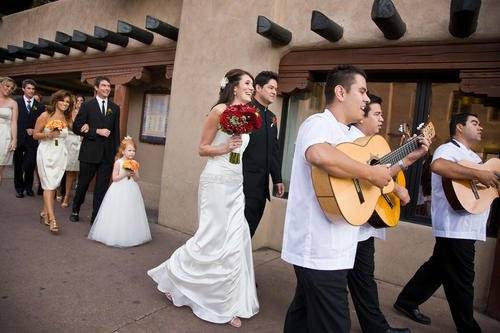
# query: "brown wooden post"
(122, 94)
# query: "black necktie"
(103, 108)
(29, 106)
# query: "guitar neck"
(398, 154)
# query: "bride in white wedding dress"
(213, 272)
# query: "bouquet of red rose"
(239, 119)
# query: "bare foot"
(235, 322)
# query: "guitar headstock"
(427, 131)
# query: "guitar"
(388, 207)
(354, 200)
(469, 195)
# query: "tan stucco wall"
(409, 245)
(149, 155)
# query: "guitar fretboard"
(398, 154)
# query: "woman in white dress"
(8, 123)
(52, 154)
(122, 220)
(213, 272)
(73, 143)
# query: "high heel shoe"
(53, 227)
(44, 219)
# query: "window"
(411, 100)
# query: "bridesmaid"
(52, 154)
(8, 123)
(73, 143)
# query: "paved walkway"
(67, 283)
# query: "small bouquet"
(55, 125)
(239, 119)
(130, 165)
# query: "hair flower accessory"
(128, 137)
(224, 82)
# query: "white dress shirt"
(446, 222)
(99, 101)
(31, 102)
(366, 230)
(309, 239)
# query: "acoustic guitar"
(469, 195)
(354, 200)
(388, 207)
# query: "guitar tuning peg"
(419, 127)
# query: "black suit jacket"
(261, 157)
(96, 148)
(27, 120)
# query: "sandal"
(44, 219)
(65, 202)
(169, 297)
(53, 227)
(235, 322)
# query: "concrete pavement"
(67, 283)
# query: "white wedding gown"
(213, 272)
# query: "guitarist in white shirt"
(362, 286)
(323, 252)
(452, 262)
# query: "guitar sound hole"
(373, 162)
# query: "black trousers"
(24, 167)
(320, 303)
(451, 265)
(102, 172)
(363, 289)
(254, 209)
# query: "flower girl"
(121, 220)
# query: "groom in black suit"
(98, 121)
(261, 157)
(25, 153)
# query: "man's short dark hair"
(28, 81)
(341, 75)
(459, 118)
(98, 80)
(264, 77)
(374, 99)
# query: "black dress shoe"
(74, 217)
(413, 313)
(19, 195)
(397, 330)
(30, 193)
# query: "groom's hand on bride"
(279, 190)
(103, 132)
(85, 128)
